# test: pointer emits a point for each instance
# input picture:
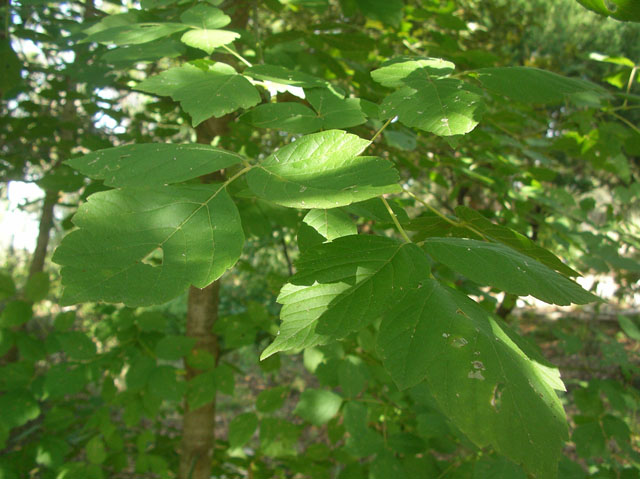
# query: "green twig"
(457, 224)
(381, 129)
(401, 230)
(238, 56)
(632, 77)
(624, 120)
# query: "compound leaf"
(479, 377)
(145, 246)
(322, 170)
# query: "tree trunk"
(199, 424)
(44, 232)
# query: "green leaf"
(626, 10)
(322, 170)
(287, 116)
(589, 439)
(7, 286)
(201, 390)
(164, 383)
(146, 246)
(342, 287)
(629, 327)
(506, 269)
(532, 85)
(15, 313)
(145, 52)
(241, 429)
(278, 437)
(515, 240)
(443, 106)
(208, 40)
(331, 224)
(284, 76)
(174, 347)
(318, 406)
(476, 373)
(37, 286)
(134, 33)
(386, 11)
(150, 164)
(335, 111)
(215, 91)
(271, 400)
(96, 451)
(362, 440)
(205, 16)
(77, 345)
(398, 72)
(62, 380)
(494, 467)
(17, 408)
(352, 376)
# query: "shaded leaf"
(626, 10)
(146, 246)
(343, 286)
(135, 33)
(476, 373)
(287, 116)
(318, 406)
(241, 428)
(513, 239)
(532, 85)
(335, 111)
(285, 76)
(506, 269)
(331, 224)
(145, 52)
(149, 164)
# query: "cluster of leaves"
(384, 318)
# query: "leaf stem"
(237, 175)
(457, 224)
(238, 56)
(381, 129)
(624, 120)
(401, 230)
(632, 77)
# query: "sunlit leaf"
(322, 170)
